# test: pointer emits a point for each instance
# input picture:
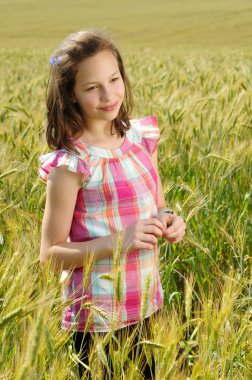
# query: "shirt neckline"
(102, 152)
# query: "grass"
(203, 104)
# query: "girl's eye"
(91, 88)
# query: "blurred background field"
(162, 24)
(189, 64)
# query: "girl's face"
(99, 89)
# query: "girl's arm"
(161, 197)
(62, 189)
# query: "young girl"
(102, 180)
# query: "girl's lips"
(109, 108)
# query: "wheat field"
(203, 105)
(189, 64)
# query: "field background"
(190, 64)
(161, 24)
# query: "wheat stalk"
(188, 296)
(145, 296)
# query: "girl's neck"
(100, 136)
(98, 130)
(103, 142)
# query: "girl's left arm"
(175, 225)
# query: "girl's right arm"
(62, 189)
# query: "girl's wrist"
(165, 210)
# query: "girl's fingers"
(166, 219)
(148, 238)
(173, 241)
(177, 233)
(176, 227)
(145, 245)
(176, 239)
(153, 230)
(153, 222)
(177, 220)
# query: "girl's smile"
(110, 107)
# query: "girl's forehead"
(100, 64)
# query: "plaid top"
(120, 187)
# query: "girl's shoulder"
(150, 121)
(74, 163)
(145, 131)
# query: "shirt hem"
(71, 325)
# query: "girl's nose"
(105, 94)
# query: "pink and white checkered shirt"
(120, 187)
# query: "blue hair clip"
(54, 61)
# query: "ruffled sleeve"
(62, 157)
(147, 132)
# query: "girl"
(102, 179)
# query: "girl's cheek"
(122, 88)
(90, 99)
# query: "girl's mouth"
(109, 108)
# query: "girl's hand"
(142, 234)
(174, 227)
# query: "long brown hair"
(64, 118)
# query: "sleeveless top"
(120, 187)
